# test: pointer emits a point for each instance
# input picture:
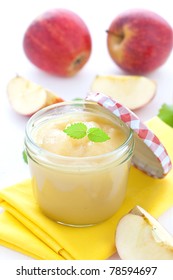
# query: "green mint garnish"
(25, 156)
(166, 114)
(76, 130)
(96, 134)
(77, 99)
(80, 130)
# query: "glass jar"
(78, 190)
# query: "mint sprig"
(166, 114)
(80, 130)
(24, 154)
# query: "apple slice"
(131, 91)
(27, 97)
(139, 236)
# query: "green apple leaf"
(166, 114)
(96, 134)
(76, 130)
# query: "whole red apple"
(139, 41)
(58, 42)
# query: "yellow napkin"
(24, 228)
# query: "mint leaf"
(166, 114)
(96, 134)
(77, 99)
(76, 130)
(80, 130)
(25, 156)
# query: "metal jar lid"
(150, 155)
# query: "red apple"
(139, 41)
(58, 42)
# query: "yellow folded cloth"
(24, 228)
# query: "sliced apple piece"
(133, 92)
(27, 97)
(139, 236)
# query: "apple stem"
(120, 37)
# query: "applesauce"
(78, 182)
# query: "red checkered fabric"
(147, 136)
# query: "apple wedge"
(133, 92)
(139, 236)
(27, 97)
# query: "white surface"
(15, 16)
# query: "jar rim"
(33, 147)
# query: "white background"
(15, 16)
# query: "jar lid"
(150, 155)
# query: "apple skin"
(58, 42)
(139, 41)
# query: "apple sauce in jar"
(78, 182)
